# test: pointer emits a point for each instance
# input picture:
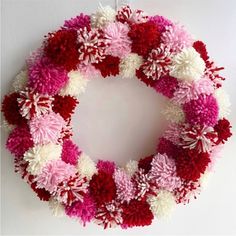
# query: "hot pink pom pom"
(84, 210)
(202, 111)
(161, 22)
(78, 22)
(70, 152)
(19, 141)
(46, 78)
(46, 128)
(54, 173)
(106, 166)
(116, 35)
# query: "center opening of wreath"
(119, 120)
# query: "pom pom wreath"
(86, 166)
(162, 204)
(174, 113)
(187, 65)
(166, 85)
(83, 210)
(53, 173)
(163, 172)
(102, 187)
(38, 156)
(62, 49)
(103, 16)
(223, 130)
(129, 65)
(33, 104)
(202, 111)
(106, 166)
(131, 167)
(71, 190)
(116, 35)
(78, 22)
(56, 207)
(109, 215)
(145, 163)
(75, 85)
(125, 187)
(92, 45)
(161, 22)
(20, 81)
(109, 66)
(42, 194)
(19, 141)
(157, 63)
(136, 213)
(46, 78)
(70, 152)
(176, 37)
(46, 128)
(64, 106)
(11, 110)
(144, 37)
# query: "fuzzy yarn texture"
(161, 22)
(20, 81)
(106, 166)
(78, 22)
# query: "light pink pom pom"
(46, 128)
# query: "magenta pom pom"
(78, 22)
(106, 166)
(161, 22)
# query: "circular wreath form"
(108, 43)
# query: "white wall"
(24, 22)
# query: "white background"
(119, 119)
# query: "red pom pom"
(136, 213)
(145, 163)
(145, 37)
(42, 193)
(141, 76)
(108, 66)
(200, 47)
(62, 48)
(64, 105)
(191, 164)
(11, 110)
(102, 187)
(223, 130)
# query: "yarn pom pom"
(46, 128)
(161, 22)
(144, 37)
(145, 163)
(56, 207)
(70, 152)
(42, 194)
(202, 111)
(106, 166)
(19, 141)
(46, 78)
(223, 130)
(62, 49)
(20, 81)
(116, 35)
(78, 22)
(64, 106)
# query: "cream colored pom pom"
(103, 16)
(174, 113)
(163, 204)
(86, 166)
(56, 207)
(20, 81)
(223, 102)
(131, 167)
(6, 126)
(187, 65)
(75, 85)
(39, 155)
(129, 65)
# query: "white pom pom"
(86, 166)
(129, 65)
(56, 207)
(39, 155)
(75, 85)
(163, 204)
(187, 65)
(20, 81)
(103, 16)
(174, 113)
(131, 167)
(223, 102)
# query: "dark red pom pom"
(145, 163)
(64, 105)
(141, 76)
(62, 48)
(200, 47)
(145, 37)
(137, 213)
(43, 194)
(108, 66)
(223, 130)
(11, 109)
(102, 187)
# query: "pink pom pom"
(78, 22)
(70, 152)
(161, 22)
(106, 166)
(46, 128)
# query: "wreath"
(128, 43)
